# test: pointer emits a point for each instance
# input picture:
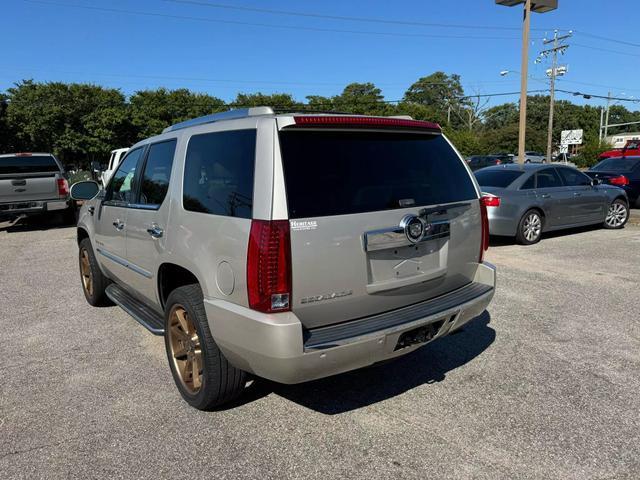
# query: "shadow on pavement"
(353, 390)
(506, 241)
(36, 222)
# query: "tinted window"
(548, 178)
(28, 164)
(157, 172)
(337, 173)
(218, 173)
(122, 188)
(574, 178)
(529, 184)
(497, 178)
(617, 164)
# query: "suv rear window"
(338, 173)
(497, 178)
(28, 164)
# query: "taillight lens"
(486, 201)
(489, 200)
(620, 181)
(269, 266)
(63, 187)
(498, 162)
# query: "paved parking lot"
(544, 385)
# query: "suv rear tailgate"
(348, 192)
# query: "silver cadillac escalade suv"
(287, 246)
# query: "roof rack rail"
(216, 117)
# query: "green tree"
(151, 111)
(442, 92)
(74, 121)
(276, 100)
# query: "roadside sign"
(564, 148)
(571, 137)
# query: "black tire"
(220, 382)
(617, 215)
(526, 226)
(96, 295)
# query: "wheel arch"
(81, 234)
(171, 276)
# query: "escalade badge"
(414, 228)
(328, 296)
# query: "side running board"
(145, 316)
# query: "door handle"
(576, 194)
(118, 224)
(155, 231)
(545, 195)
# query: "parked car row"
(527, 200)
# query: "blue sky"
(221, 51)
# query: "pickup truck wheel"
(202, 374)
(94, 283)
(617, 215)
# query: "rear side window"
(28, 164)
(529, 184)
(574, 178)
(157, 173)
(497, 178)
(548, 178)
(338, 173)
(218, 173)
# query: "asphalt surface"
(544, 385)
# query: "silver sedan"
(525, 201)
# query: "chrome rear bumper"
(278, 348)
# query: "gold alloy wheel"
(186, 353)
(85, 271)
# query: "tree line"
(81, 123)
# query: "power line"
(264, 25)
(608, 39)
(223, 6)
(341, 17)
(608, 50)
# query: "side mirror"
(84, 190)
(596, 181)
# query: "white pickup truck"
(112, 166)
(33, 183)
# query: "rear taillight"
(63, 187)
(498, 162)
(489, 200)
(269, 266)
(484, 201)
(619, 181)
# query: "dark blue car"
(623, 172)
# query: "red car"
(631, 149)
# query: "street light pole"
(522, 131)
(539, 6)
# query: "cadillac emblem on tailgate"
(414, 227)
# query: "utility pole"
(558, 46)
(606, 120)
(601, 120)
(524, 67)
